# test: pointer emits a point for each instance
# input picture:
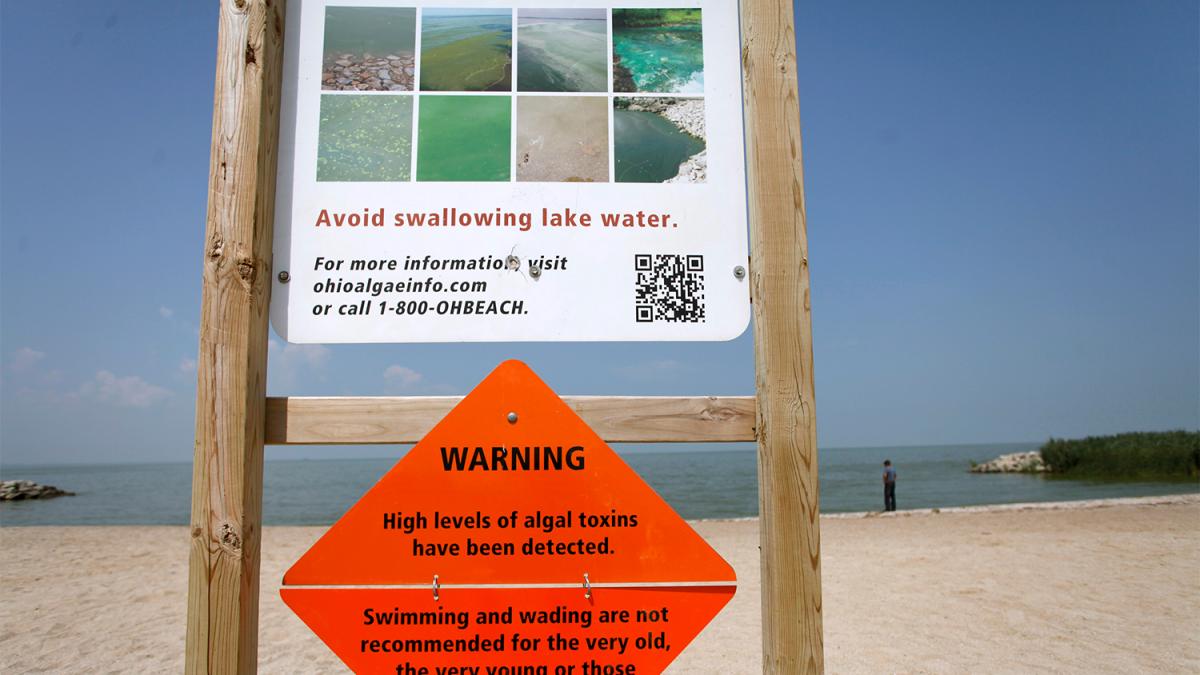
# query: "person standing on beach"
(889, 486)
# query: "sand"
(1091, 587)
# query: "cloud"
(402, 376)
(166, 312)
(292, 355)
(289, 364)
(129, 392)
(187, 365)
(25, 358)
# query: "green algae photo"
(562, 139)
(365, 138)
(464, 138)
(466, 50)
(562, 50)
(369, 48)
(658, 51)
(659, 140)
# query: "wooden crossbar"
(297, 420)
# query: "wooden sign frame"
(234, 418)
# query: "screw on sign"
(509, 543)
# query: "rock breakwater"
(1017, 462)
(18, 490)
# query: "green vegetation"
(651, 18)
(1170, 455)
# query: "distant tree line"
(648, 18)
(1140, 455)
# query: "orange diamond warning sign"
(511, 539)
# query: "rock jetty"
(1017, 462)
(17, 490)
(367, 72)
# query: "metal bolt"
(284, 277)
(535, 271)
(512, 418)
(739, 273)
(513, 262)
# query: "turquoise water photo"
(658, 51)
(562, 50)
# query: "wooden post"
(783, 357)
(222, 623)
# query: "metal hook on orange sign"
(587, 587)
(436, 586)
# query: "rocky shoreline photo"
(366, 72)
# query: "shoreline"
(1075, 504)
(1067, 505)
(1192, 498)
(1092, 586)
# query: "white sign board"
(510, 171)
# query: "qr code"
(669, 288)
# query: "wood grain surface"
(787, 438)
(223, 571)
(617, 419)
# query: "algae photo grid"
(570, 128)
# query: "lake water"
(466, 53)
(365, 138)
(562, 55)
(648, 147)
(464, 138)
(698, 482)
(562, 138)
(370, 30)
(666, 59)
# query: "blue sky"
(1004, 221)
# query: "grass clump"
(1161, 455)
(655, 18)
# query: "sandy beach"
(1107, 586)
